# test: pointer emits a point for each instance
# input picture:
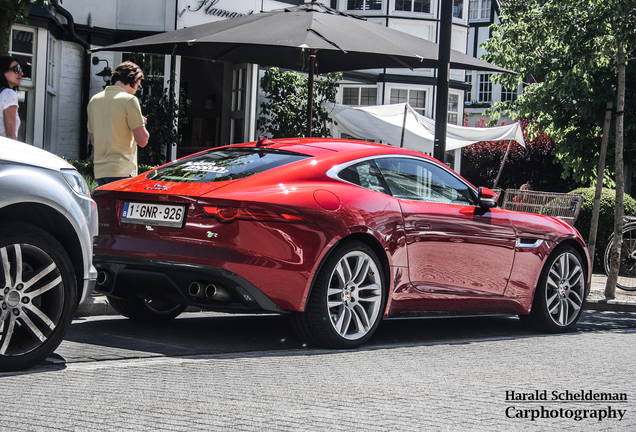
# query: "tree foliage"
(285, 112)
(534, 164)
(567, 53)
(12, 11)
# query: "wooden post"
(599, 181)
(406, 108)
(502, 164)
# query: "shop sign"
(194, 12)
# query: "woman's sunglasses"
(17, 69)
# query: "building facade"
(481, 92)
(62, 75)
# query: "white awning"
(386, 123)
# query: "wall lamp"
(106, 73)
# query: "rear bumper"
(128, 277)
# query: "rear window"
(223, 165)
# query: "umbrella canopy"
(279, 37)
(297, 37)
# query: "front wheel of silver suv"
(38, 295)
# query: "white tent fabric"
(386, 123)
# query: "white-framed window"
(364, 5)
(51, 94)
(508, 94)
(50, 69)
(359, 96)
(415, 98)
(458, 9)
(485, 88)
(479, 9)
(154, 65)
(420, 6)
(453, 109)
(469, 92)
(238, 89)
(239, 94)
(22, 48)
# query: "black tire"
(627, 266)
(347, 299)
(38, 295)
(560, 293)
(146, 310)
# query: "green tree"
(10, 12)
(575, 55)
(285, 112)
(567, 52)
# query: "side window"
(423, 181)
(365, 174)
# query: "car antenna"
(262, 141)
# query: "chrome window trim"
(333, 171)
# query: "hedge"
(605, 219)
(85, 168)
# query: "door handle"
(423, 225)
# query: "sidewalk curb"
(97, 306)
(609, 305)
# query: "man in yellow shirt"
(116, 126)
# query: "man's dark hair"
(126, 73)
(5, 65)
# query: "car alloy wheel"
(37, 296)
(347, 299)
(354, 295)
(560, 293)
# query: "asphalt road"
(209, 371)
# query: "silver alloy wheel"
(31, 300)
(565, 289)
(354, 295)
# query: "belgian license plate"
(153, 214)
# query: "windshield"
(225, 164)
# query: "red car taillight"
(230, 214)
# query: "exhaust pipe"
(209, 291)
(196, 290)
(216, 292)
(105, 281)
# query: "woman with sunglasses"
(10, 79)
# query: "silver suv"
(47, 224)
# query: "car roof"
(323, 146)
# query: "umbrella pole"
(310, 85)
(404, 125)
(503, 161)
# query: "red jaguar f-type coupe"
(339, 234)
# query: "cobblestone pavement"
(452, 380)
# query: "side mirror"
(487, 198)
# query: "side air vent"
(528, 243)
